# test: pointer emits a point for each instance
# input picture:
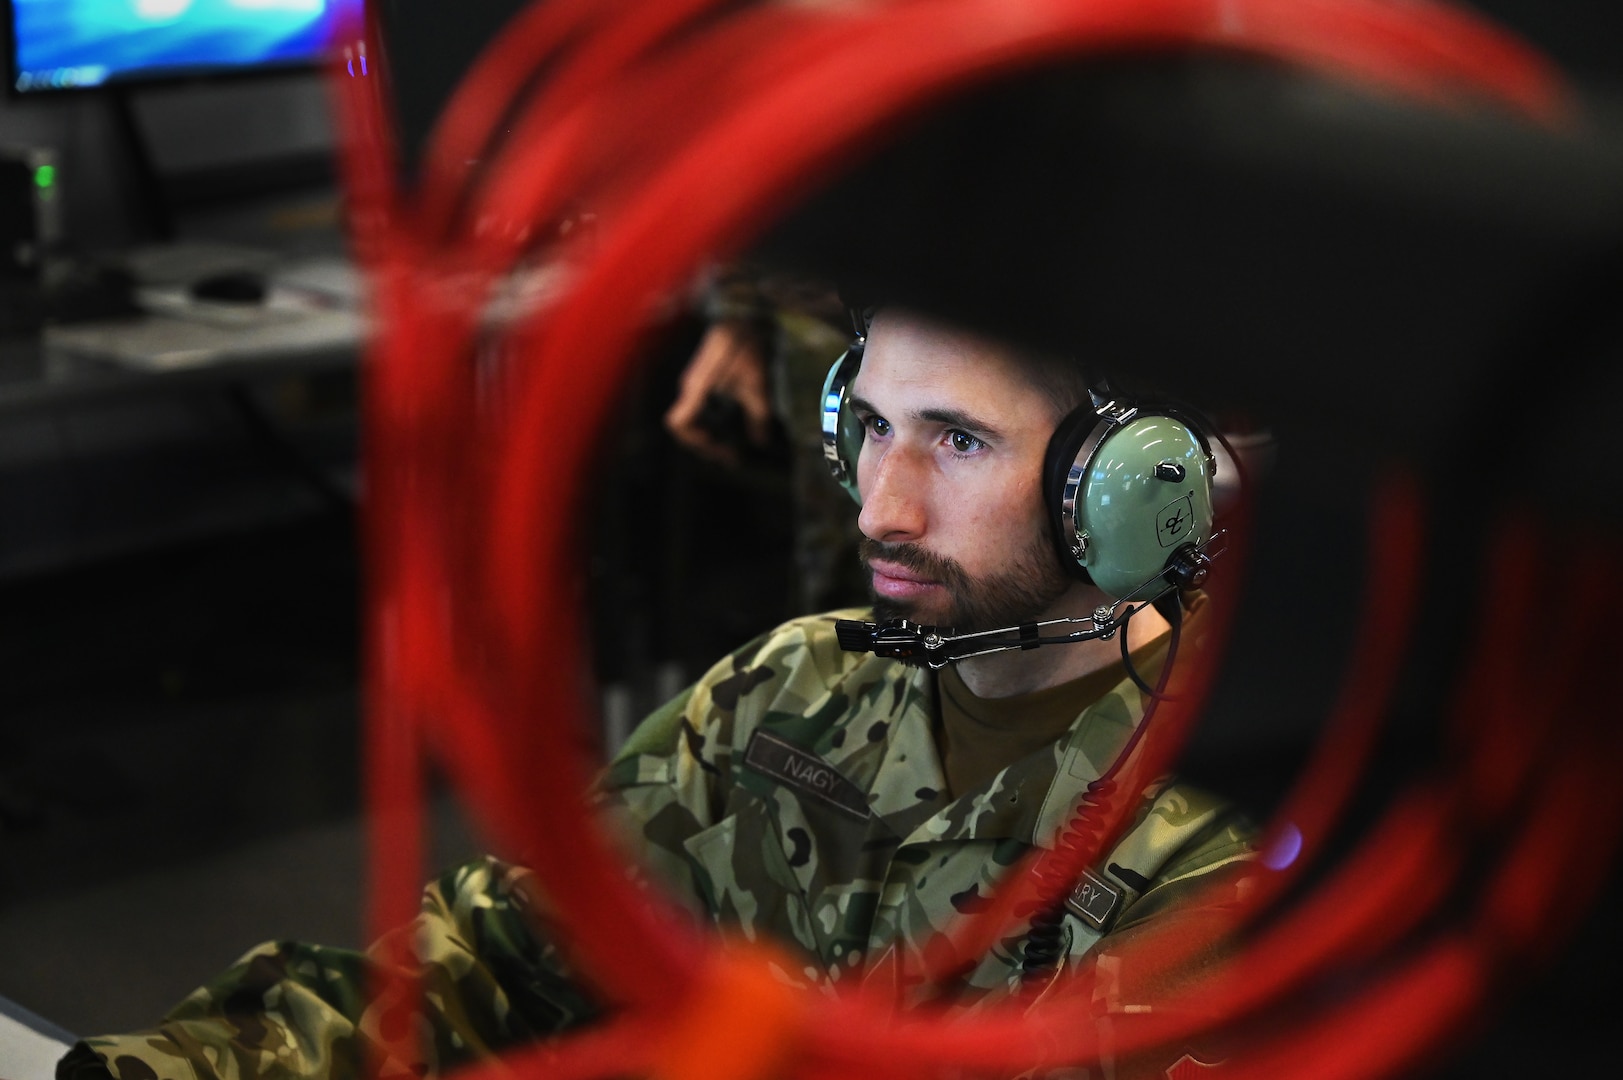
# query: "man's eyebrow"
(956, 418)
(953, 418)
(857, 401)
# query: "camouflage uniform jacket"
(793, 794)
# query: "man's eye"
(964, 442)
(878, 426)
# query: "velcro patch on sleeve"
(1094, 900)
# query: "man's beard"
(1030, 584)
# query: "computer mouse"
(231, 286)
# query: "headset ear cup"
(1063, 447)
(842, 429)
(1129, 488)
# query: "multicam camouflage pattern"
(287, 1009)
(842, 848)
(867, 896)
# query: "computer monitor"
(60, 45)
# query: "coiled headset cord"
(1044, 943)
(1046, 939)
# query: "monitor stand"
(148, 207)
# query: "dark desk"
(157, 433)
(142, 431)
(311, 320)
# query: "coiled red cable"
(685, 128)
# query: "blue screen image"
(73, 43)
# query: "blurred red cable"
(700, 191)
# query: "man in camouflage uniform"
(843, 806)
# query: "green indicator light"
(45, 176)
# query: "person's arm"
(491, 981)
(289, 1010)
(725, 378)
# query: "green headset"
(1127, 484)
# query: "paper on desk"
(271, 332)
(28, 1051)
(324, 279)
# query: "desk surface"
(313, 317)
(312, 305)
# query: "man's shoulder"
(1182, 835)
(792, 672)
(814, 630)
(805, 647)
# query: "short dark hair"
(1063, 380)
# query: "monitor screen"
(74, 44)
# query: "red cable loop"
(498, 571)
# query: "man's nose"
(893, 507)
